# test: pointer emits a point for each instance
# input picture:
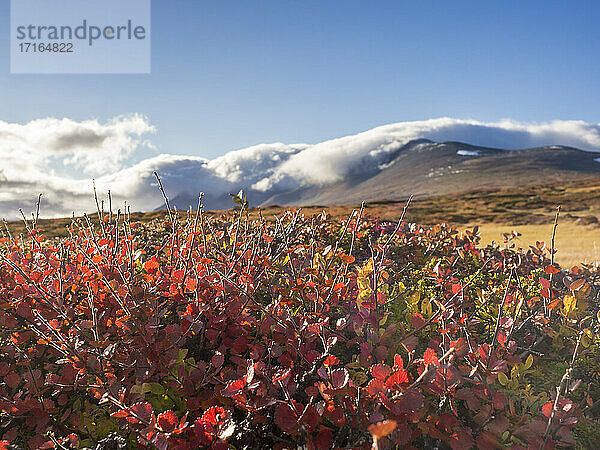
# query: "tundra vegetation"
(305, 331)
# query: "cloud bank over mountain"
(92, 149)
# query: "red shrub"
(302, 332)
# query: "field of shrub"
(303, 332)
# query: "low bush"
(307, 332)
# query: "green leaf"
(140, 389)
(182, 354)
(502, 379)
(155, 388)
(586, 341)
(359, 378)
(354, 365)
(529, 362)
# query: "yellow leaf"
(414, 299)
(362, 296)
(529, 362)
(426, 308)
(318, 262)
(569, 304)
(363, 283)
(367, 269)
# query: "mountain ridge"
(423, 167)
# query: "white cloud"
(266, 169)
(88, 145)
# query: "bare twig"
(552, 251)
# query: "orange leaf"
(380, 371)
(331, 360)
(151, 265)
(382, 429)
(347, 259)
(191, 284)
(554, 304)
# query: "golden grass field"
(575, 243)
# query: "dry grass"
(576, 243)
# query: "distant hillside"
(424, 168)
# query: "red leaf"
(380, 371)
(398, 362)
(24, 310)
(547, 409)
(233, 388)
(430, 357)
(167, 421)
(417, 321)
(502, 337)
(460, 346)
(551, 270)
(143, 410)
(375, 386)
(382, 429)
(397, 378)
(281, 375)
(499, 400)
(217, 360)
(461, 440)
(324, 440)
(214, 415)
(285, 418)
(121, 413)
(12, 379)
(311, 418)
(339, 378)
(347, 259)
(555, 303)
(331, 360)
(214, 423)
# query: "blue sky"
(229, 74)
